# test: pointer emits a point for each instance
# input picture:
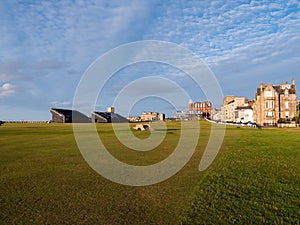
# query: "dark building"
(107, 117)
(68, 116)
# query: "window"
(286, 93)
(286, 105)
(285, 86)
(269, 114)
(236, 114)
(269, 104)
(269, 94)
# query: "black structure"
(107, 117)
(68, 116)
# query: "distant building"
(152, 116)
(149, 116)
(234, 109)
(275, 101)
(183, 115)
(68, 116)
(108, 117)
(216, 114)
(111, 109)
(161, 116)
(201, 108)
(244, 114)
(134, 118)
(196, 111)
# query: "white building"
(152, 116)
(244, 114)
(234, 109)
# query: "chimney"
(293, 81)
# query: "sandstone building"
(273, 102)
(152, 116)
(201, 108)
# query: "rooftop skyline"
(46, 46)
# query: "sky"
(46, 47)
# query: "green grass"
(44, 179)
(256, 180)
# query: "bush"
(296, 119)
(281, 120)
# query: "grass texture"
(44, 179)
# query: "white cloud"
(7, 89)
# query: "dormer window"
(269, 94)
(285, 86)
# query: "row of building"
(271, 103)
(147, 116)
(196, 111)
(74, 116)
(71, 116)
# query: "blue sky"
(46, 46)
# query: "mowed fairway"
(44, 179)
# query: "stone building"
(236, 109)
(149, 116)
(201, 108)
(152, 116)
(273, 102)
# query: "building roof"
(278, 88)
(244, 107)
(74, 115)
(110, 117)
